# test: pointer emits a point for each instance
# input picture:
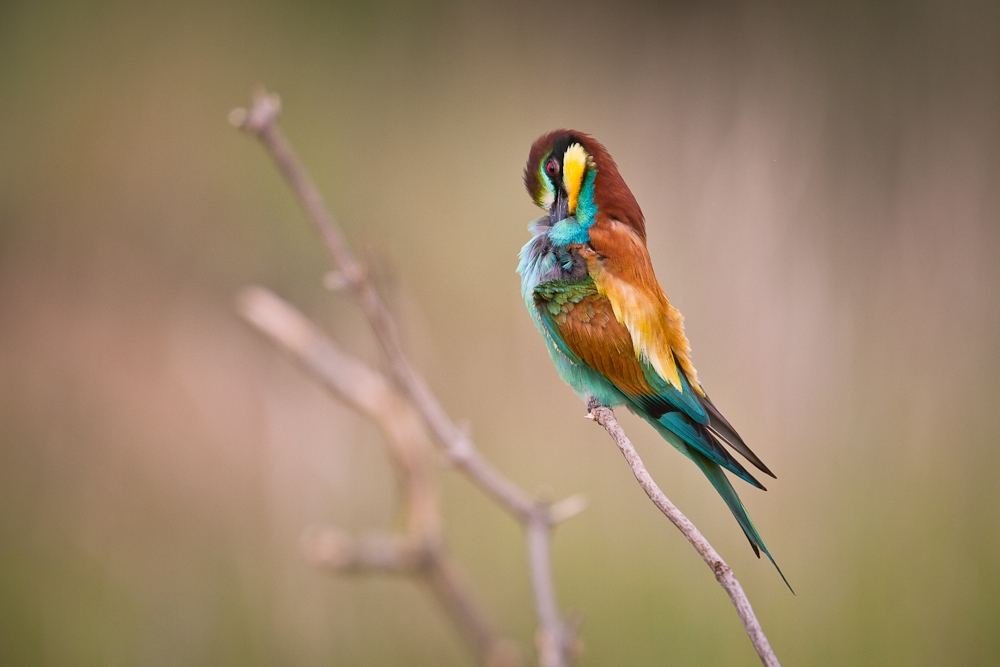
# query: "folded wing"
(583, 325)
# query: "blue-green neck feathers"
(586, 209)
(576, 229)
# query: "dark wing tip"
(721, 427)
(727, 460)
(736, 443)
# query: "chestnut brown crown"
(611, 195)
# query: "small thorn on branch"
(341, 279)
(460, 452)
(543, 496)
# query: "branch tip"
(567, 508)
(263, 113)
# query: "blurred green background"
(820, 182)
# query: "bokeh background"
(820, 182)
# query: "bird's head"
(570, 174)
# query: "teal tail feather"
(721, 483)
(718, 478)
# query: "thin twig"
(420, 552)
(449, 584)
(552, 638)
(364, 389)
(261, 121)
(606, 418)
(336, 550)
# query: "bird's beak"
(559, 210)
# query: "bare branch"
(449, 584)
(606, 418)
(336, 550)
(261, 121)
(420, 552)
(364, 389)
(381, 553)
(552, 638)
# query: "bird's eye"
(551, 168)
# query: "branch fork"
(403, 409)
(402, 416)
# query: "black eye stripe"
(562, 143)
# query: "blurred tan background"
(821, 188)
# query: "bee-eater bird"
(588, 282)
